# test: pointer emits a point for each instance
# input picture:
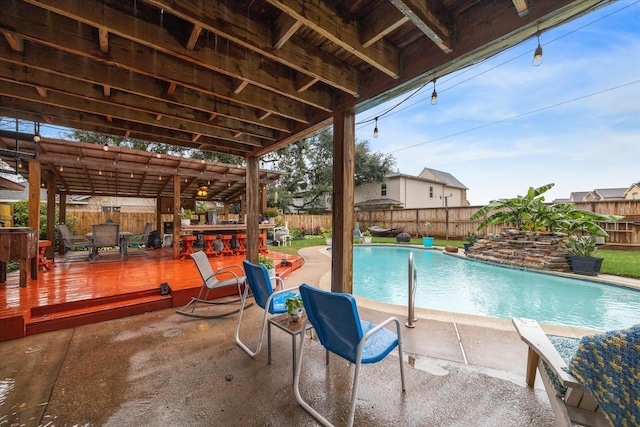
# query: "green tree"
(309, 174)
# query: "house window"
(635, 196)
(431, 192)
(383, 190)
(111, 209)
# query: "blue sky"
(505, 125)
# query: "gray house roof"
(579, 196)
(610, 193)
(448, 179)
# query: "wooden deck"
(75, 293)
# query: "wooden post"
(62, 218)
(35, 175)
(51, 214)
(253, 205)
(342, 210)
(176, 217)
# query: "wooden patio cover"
(245, 77)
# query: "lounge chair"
(385, 232)
(597, 385)
(231, 275)
(336, 321)
(74, 242)
(271, 301)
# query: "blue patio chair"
(335, 319)
(230, 275)
(270, 300)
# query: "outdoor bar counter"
(19, 244)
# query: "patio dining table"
(122, 236)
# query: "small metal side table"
(294, 329)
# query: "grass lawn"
(617, 263)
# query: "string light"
(434, 94)
(375, 129)
(105, 147)
(19, 163)
(160, 178)
(99, 171)
(537, 54)
(131, 175)
(61, 169)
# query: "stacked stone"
(523, 249)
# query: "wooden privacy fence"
(451, 222)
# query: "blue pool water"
(449, 283)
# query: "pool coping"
(477, 320)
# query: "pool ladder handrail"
(413, 284)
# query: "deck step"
(77, 313)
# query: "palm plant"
(530, 213)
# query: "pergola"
(245, 77)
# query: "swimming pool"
(450, 283)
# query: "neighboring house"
(85, 203)
(633, 192)
(430, 189)
(604, 194)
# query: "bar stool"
(262, 248)
(241, 250)
(187, 246)
(208, 241)
(43, 262)
(226, 240)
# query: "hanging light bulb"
(537, 54)
(131, 174)
(434, 94)
(304, 149)
(19, 163)
(61, 169)
(160, 178)
(105, 147)
(99, 171)
(375, 129)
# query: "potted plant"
(326, 233)
(268, 264)
(426, 240)
(469, 240)
(366, 236)
(582, 253)
(185, 215)
(270, 214)
(295, 308)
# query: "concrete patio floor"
(164, 369)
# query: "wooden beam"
(172, 88)
(285, 28)
(241, 85)
(246, 65)
(15, 41)
(62, 64)
(193, 37)
(33, 217)
(342, 213)
(381, 21)
(431, 18)
(521, 7)
(256, 37)
(304, 82)
(323, 19)
(112, 107)
(55, 31)
(103, 35)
